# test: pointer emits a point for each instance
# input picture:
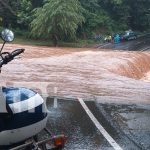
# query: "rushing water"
(102, 75)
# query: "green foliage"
(24, 15)
(90, 5)
(57, 18)
(139, 14)
(65, 19)
(100, 20)
(15, 13)
(36, 3)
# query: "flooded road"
(101, 75)
(115, 83)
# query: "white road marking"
(55, 102)
(55, 98)
(111, 141)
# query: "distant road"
(140, 44)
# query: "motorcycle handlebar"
(10, 56)
(17, 52)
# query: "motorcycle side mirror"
(7, 35)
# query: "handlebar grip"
(17, 52)
(11, 56)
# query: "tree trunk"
(55, 40)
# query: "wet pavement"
(116, 83)
(140, 44)
(70, 118)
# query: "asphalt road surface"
(128, 125)
(140, 44)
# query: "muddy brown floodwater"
(93, 74)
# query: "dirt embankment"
(102, 75)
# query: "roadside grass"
(78, 44)
(28, 41)
(23, 37)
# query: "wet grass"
(77, 44)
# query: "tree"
(57, 19)
(118, 11)
(139, 14)
(7, 13)
(91, 7)
(24, 15)
(36, 3)
(16, 13)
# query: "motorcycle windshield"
(14, 95)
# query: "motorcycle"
(23, 112)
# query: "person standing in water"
(117, 39)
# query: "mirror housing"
(7, 35)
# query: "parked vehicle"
(128, 35)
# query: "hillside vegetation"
(69, 20)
